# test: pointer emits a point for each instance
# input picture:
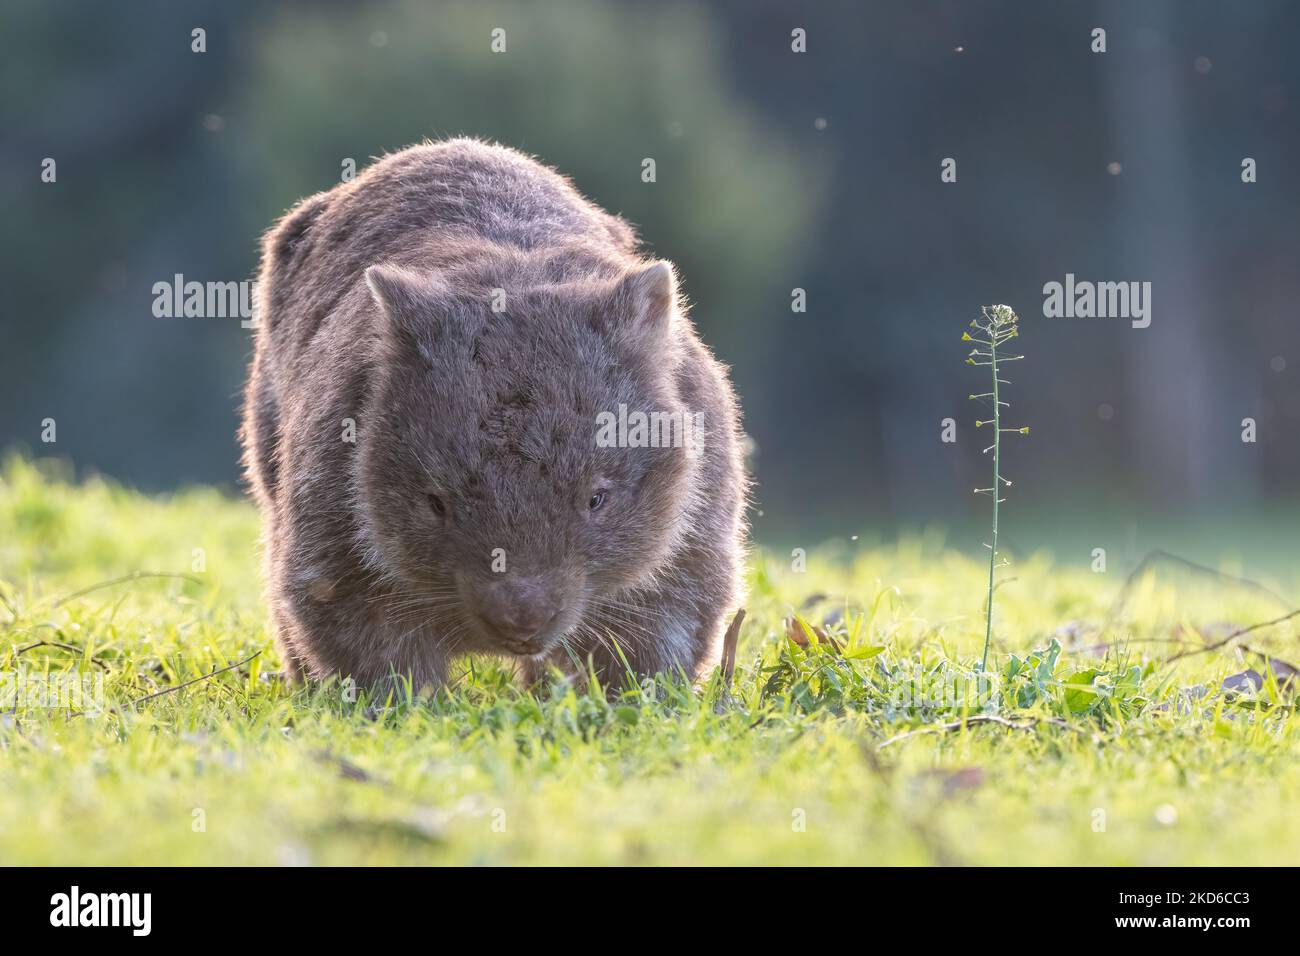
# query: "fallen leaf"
(954, 781)
(1251, 681)
(1247, 682)
(795, 631)
(346, 769)
(729, 642)
(1287, 675)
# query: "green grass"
(487, 774)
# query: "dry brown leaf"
(794, 630)
(729, 642)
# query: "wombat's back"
(472, 189)
(422, 203)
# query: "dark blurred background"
(775, 170)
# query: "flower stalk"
(997, 325)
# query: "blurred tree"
(592, 88)
(774, 170)
(117, 97)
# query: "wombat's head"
(509, 480)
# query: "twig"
(188, 683)
(60, 646)
(133, 576)
(1028, 724)
(1157, 556)
(1214, 646)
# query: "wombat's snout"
(518, 612)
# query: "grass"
(1116, 756)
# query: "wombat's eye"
(437, 507)
(597, 500)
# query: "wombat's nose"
(517, 608)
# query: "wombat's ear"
(408, 298)
(647, 296)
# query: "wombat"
(444, 429)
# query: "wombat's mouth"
(520, 615)
(537, 644)
(528, 648)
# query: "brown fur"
(492, 412)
